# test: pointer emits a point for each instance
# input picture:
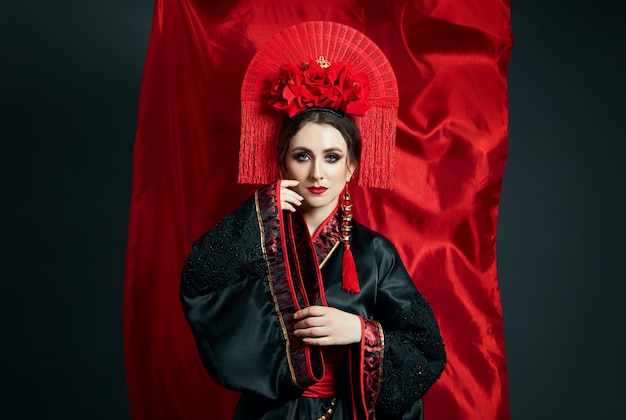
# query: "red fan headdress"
(318, 65)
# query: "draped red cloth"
(450, 58)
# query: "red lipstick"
(317, 190)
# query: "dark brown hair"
(345, 125)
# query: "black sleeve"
(228, 305)
(413, 351)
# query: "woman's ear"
(351, 167)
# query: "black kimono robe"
(246, 277)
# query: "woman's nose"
(316, 170)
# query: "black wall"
(70, 75)
(561, 248)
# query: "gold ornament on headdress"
(324, 63)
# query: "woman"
(306, 312)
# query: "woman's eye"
(302, 157)
(332, 158)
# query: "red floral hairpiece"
(319, 84)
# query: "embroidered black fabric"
(412, 362)
(225, 254)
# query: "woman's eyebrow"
(301, 149)
(304, 149)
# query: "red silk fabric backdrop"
(451, 60)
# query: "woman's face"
(317, 157)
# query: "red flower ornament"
(328, 85)
(285, 91)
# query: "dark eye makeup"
(330, 157)
(301, 157)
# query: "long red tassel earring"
(350, 279)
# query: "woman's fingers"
(310, 322)
(325, 326)
(313, 332)
(288, 183)
(310, 311)
(290, 202)
(287, 206)
(320, 341)
(289, 199)
(290, 196)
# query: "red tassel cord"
(350, 279)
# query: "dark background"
(70, 78)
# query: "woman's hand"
(289, 199)
(324, 326)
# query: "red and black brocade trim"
(302, 260)
(373, 352)
(368, 376)
(284, 255)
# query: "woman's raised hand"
(325, 326)
(289, 199)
